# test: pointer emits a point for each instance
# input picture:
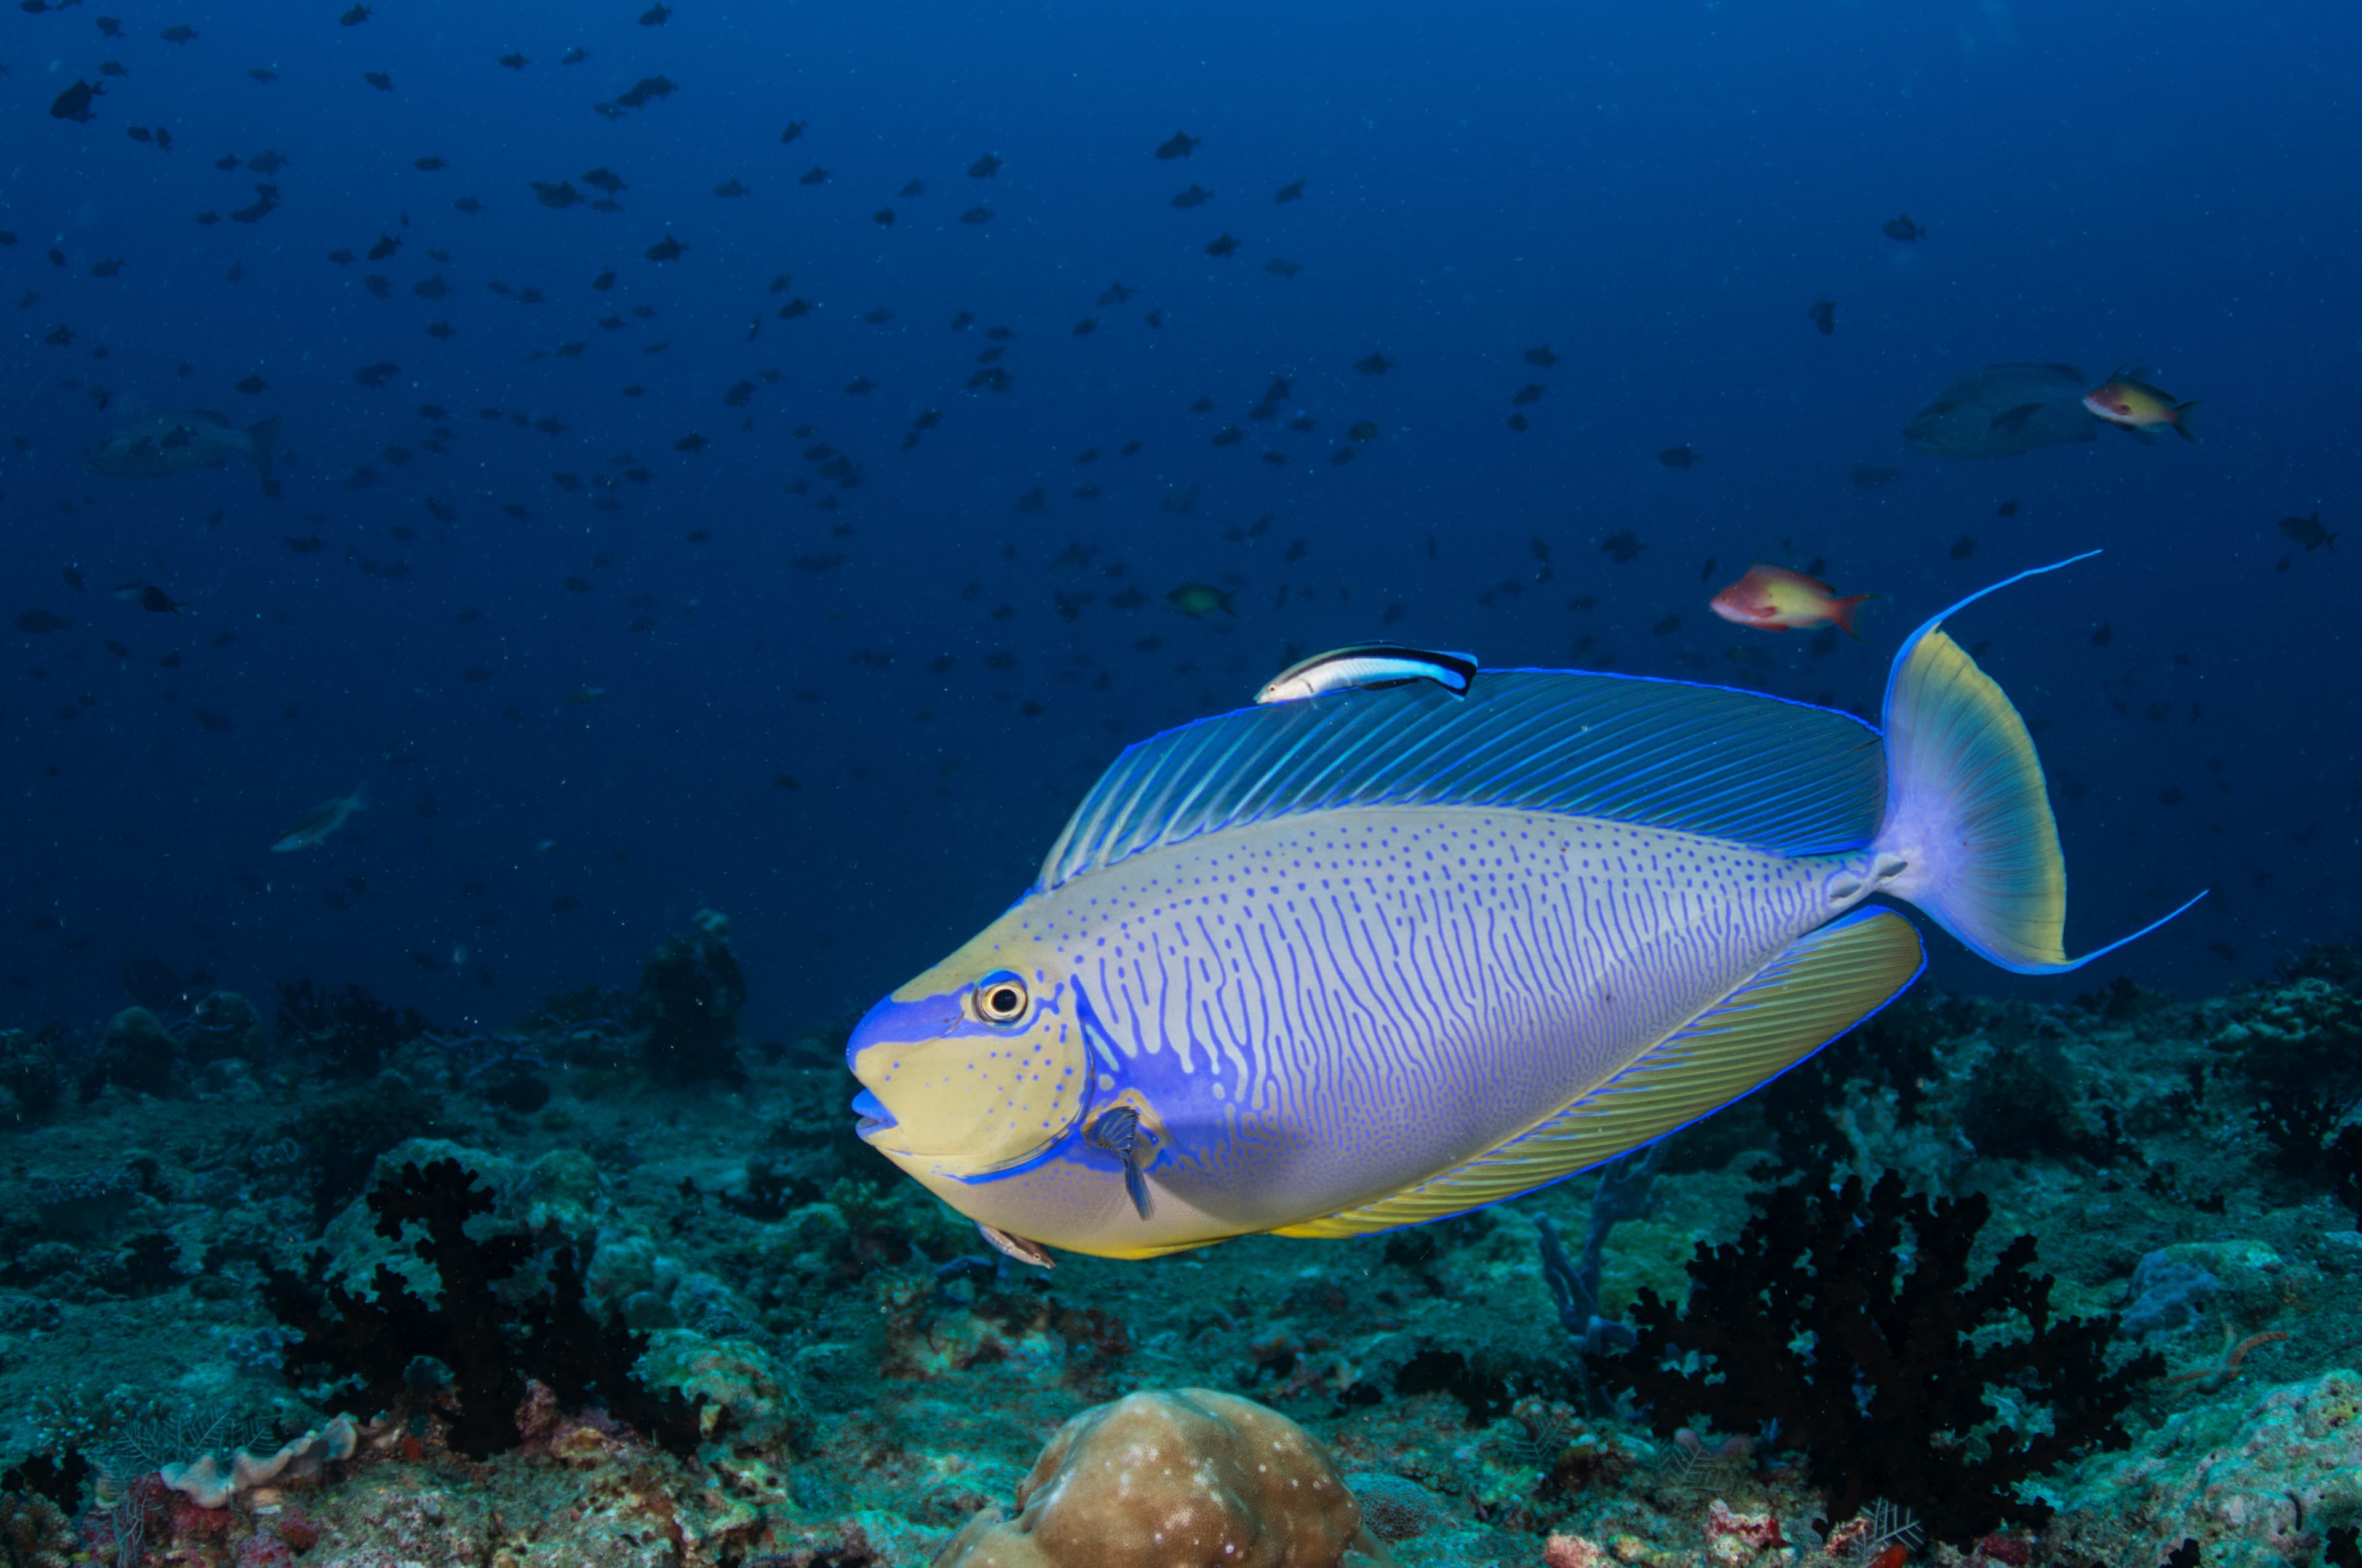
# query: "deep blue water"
(1659, 194)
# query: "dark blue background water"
(1659, 196)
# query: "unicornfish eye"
(1001, 998)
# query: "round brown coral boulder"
(1176, 1478)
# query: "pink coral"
(264, 1550)
(1171, 1475)
(1572, 1551)
(1755, 1530)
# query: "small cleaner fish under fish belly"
(1333, 966)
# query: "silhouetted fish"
(74, 104)
(2308, 532)
(2002, 411)
(1180, 144)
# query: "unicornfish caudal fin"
(1966, 810)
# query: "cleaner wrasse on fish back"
(1378, 957)
(1368, 667)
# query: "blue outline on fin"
(1903, 656)
(1911, 643)
(2074, 964)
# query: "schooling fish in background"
(2138, 407)
(74, 104)
(1335, 966)
(1775, 599)
(1199, 600)
(195, 438)
(2002, 411)
(318, 824)
(2308, 532)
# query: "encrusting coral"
(1174, 1475)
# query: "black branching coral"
(376, 1339)
(1852, 1319)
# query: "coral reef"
(482, 1349)
(690, 993)
(698, 1324)
(34, 1532)
(346, 1034)
(1623, 1193)
(1178, 1475)
(31, 1082)
(1853, 1320)
(2256, 1484)
(135, 1054)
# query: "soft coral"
(1851, 1319)
(491, 1347)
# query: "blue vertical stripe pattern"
(1323, 1008)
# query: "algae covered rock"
(2256, 1482)
(1174, 1475)
(743, 1396)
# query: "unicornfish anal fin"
(1825, 983)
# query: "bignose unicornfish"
(1380, 957)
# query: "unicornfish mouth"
(874, 1117)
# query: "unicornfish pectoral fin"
(1825, 984)
(1119, 1132)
